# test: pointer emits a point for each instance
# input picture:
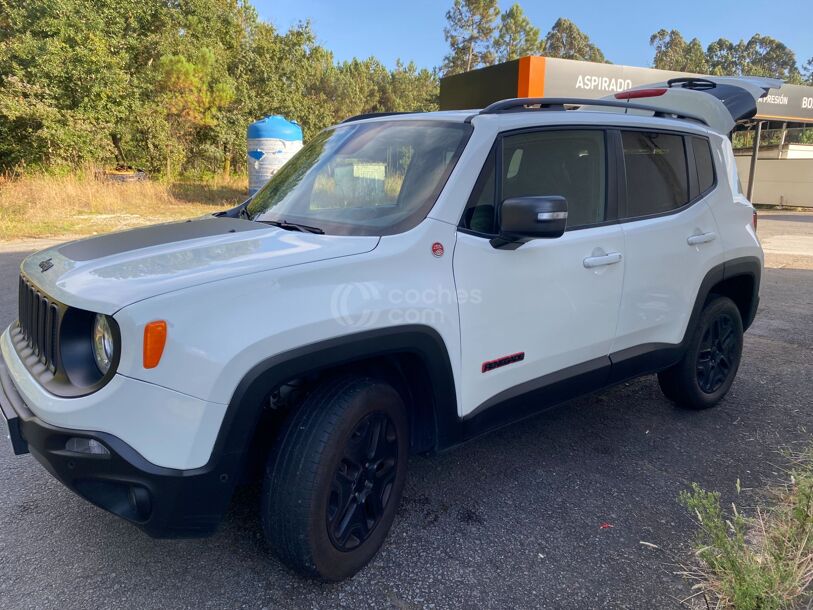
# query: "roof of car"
(531, 117)
(442, 115)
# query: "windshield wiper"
(293, 226)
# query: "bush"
(764, 562)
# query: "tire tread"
(291, 484)
(293, 471)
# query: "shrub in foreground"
(763, 562)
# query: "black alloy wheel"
(363, 483)
(717, 355)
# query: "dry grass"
(50, 206)
(764, 562)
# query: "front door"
(549, 308)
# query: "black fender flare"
(749, 266)
(245, 407)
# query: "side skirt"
(533, 397)
(539, 395)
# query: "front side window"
(568, 163)
(481, 212)
(376, 178)
(657, 176)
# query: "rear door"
(672, 239)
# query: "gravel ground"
(550, 513)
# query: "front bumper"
(164, 502)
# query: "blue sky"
(413, 30)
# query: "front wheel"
(334, 481)
(705, 373)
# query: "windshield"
(375, 178)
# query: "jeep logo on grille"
(46, 264)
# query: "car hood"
(104, 274)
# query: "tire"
(334, 481)
(708, 367)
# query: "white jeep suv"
(403, 284)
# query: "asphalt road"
(513, 520)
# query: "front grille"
(39, 323)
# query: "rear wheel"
(334, 481)
(705, 373)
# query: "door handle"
(599, 261)
(703, 238)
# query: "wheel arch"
(414, 358)
(740, 283)
(737, 279)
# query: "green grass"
(759, 562)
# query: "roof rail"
(520, 104)
(372, 115)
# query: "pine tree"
(469, 30)
(517, 37)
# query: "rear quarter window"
(705, 164)
(656, 171)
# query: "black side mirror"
(525, 218)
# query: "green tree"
(171, 85)
(516, 37)
(410, 89)
(469, 30)
(767, 56)
(759, 56)
(355, 87)
(808, 71)
(190, 96)
(285, 74)
(567, 41)
(724, 57)
(361, 86)
(672, 52)
(65, 79)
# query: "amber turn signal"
(155, 337)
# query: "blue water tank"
(271, 142)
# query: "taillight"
(638, 93)
(754, 221)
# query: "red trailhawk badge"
(437, 249)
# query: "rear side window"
(704, 163)
(657, 176)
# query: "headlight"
(103, 343)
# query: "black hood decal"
(136, 239)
